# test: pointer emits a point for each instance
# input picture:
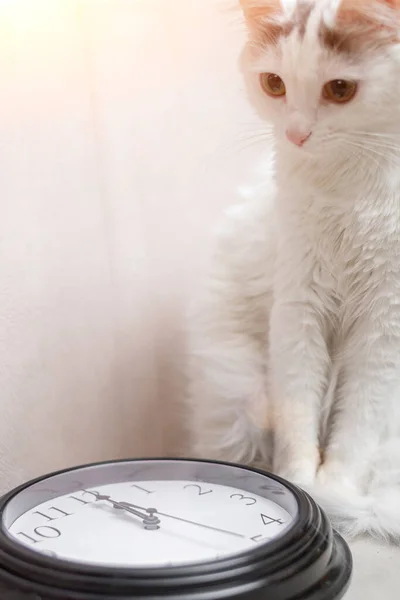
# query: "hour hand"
(150, 521)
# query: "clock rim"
(309, 545)
(291, 534)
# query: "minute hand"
(154, 511)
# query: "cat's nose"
(297, 137)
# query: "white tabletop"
(376, 571)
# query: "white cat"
(295, 348)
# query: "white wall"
(123, 129)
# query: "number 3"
(241, 497)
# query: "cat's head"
(325, 72)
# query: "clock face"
(150, 513)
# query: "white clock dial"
(112, 524)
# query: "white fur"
(298, 332)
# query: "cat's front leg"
(365, 399)
(299, 363)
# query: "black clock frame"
(309, 562)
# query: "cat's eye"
(272, 84)
(339, 91)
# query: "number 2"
(200, 492)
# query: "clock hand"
(152, 522)
(202, 525)
(152, 511)
(149, 520)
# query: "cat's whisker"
(261, 134)
(392, 149)
(257, 127)
(370, 148)
(243, 145)
(390, 158)
(382, 143)
(355, 153)
(254, 137)
(376, 134)
(386, 155)
(386, 150)
(362, 150)
(245, 142)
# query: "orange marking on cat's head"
(362, 25)
(267, 21)
(367, 12)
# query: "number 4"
(268, 520)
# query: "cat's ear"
(262, 17)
